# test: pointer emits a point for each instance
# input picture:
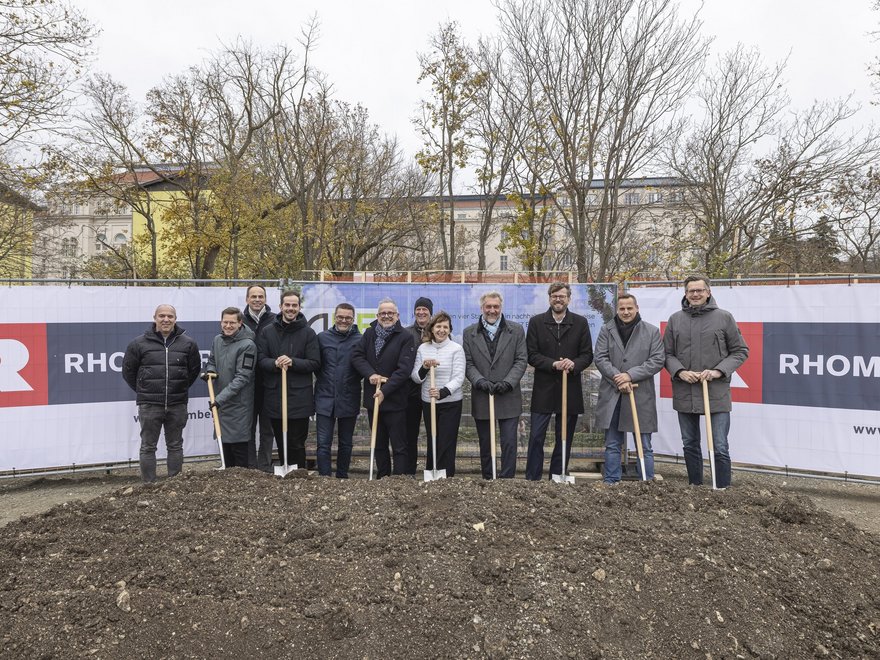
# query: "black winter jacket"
(300, 343)
(395, 362)
(161, 370)
(548, 341)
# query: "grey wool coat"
(509, 364)
(698, 338)
(641, 358)
(234, 360)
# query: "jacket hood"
(687, 308)
(297, 324)
(243, 333)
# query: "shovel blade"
(563, 478)
(284, 470)
(434, 475)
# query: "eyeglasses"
(562, 296)
(344, 319)
(690, 291)
(386, 314)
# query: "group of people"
(404, 371)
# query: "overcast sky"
(368, 48)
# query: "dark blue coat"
(299, 342)
(338, 385)
(395, 362)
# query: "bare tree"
(751, 172)
(852, 207)
(602, 81)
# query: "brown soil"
(239, 564)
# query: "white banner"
(62, 398)
(808, 396)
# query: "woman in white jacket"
(447, 358)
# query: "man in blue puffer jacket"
(160, 366)
(337, 391)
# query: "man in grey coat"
(703, 343)
(495, 361)
(628, 351)
(233, 361)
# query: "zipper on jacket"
(167, 346)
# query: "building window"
(655, 197)
(68, 247)
(120, 239)
(502, 262)
(100, 241)
(592, 200)
(631, 198)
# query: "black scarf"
(626, 329)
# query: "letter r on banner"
(23, 365)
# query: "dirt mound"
(239, 564)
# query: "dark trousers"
(297, 432)
(537, 435)
(448, 421)
(391, 429)
(507, 436)
(260, 457)
(235, 454)
(324, 435)
(153, 420)
(413, 423)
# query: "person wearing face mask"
(337, 391)
(439, 351)
(422, 310)
(386, 351)
(628, 351)
(703, 343)
(495, 359)
(289, 349)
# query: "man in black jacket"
(557, 340)
(387, 351)
(289, 349)
(258, 316)
(160, 366)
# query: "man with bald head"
(160, 366)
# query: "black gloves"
(204, 375)
(484, 386)
(502, 387)
(444, 392)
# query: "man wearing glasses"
(337, 391)
(557, 340)
(386, 350)
(703, 343)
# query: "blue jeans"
(693, 454)
(615, 441)
(324, 432)
(537, 435)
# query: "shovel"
(638, 432)
(433, 475)
(564, 478)
(375, 426)
(492, 431)
(216, 417)
(709, 439)
(284, 470)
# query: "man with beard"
(386, 350)
(289, 349)
(495, 361)
(703, 343)
(628, 351)
(258, 316)
(557, 341)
